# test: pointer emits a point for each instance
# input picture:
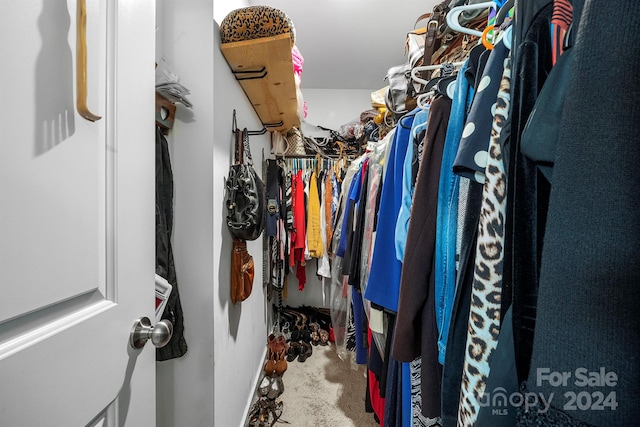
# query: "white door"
(77, 252)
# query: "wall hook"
(258, 132)
(234, 127)
(234, 124)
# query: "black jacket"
(165, 267)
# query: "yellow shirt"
(314, 236)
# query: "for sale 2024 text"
(597, 394)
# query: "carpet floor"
(324, 391)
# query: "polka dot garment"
(471, 160)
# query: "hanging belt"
(273, 204)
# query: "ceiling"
(350, 44)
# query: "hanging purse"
(295, 143)
(245, 193)
(402, 92)
(414, 44)
(278, 143)
(432, 40)
(242, 271)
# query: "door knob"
(142, 331)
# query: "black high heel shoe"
(306, 350)
(293, 351)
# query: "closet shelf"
(264, 69)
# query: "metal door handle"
(81, 63)
(142, 331)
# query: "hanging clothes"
(408, 184)
(340, 307)
(324, 265)
(277, 255)
(485, 311)
(314, 238)
(460, 295)
(298, 235)
(384, 276)
(393, 395)
(360, 319)
(355, 241)
(328, 208)
(527, 193)
(272, 193)
(415, 331)
(588, 291)
(376, 172)
(372, 204)
(374, 374)
(165, 267)
(468, 214)
(447, 210)
(347, 220)
(471, 160)
(560, 23)
(346, 249)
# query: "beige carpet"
(324, 391)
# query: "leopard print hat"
(254, 22)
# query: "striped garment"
(560, 23)
(287, 197)
(419, 420)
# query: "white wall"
(222, 7)
(212, 385)
(329, 109)
(334, 107)
(185, 385)
(240, 330)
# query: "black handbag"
(245, 201)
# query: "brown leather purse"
(242, 271)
